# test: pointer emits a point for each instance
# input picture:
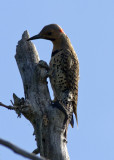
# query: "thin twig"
(20, 151)
(8, 107)
(11, 102)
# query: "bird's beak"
(34, 37)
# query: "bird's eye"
(49, 33)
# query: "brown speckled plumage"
(64, 79)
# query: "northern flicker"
(64, 68)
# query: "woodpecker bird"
(64, 69)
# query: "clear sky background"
(90, 26)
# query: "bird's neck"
(61, 43)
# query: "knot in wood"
(45, 120)
(42, 72)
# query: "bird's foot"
(56, 104)
(61, 108)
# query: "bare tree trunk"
(36, 107)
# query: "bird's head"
(50, 32)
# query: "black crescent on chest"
(55, 52)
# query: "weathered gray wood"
(46, 120)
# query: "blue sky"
(90, 26)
